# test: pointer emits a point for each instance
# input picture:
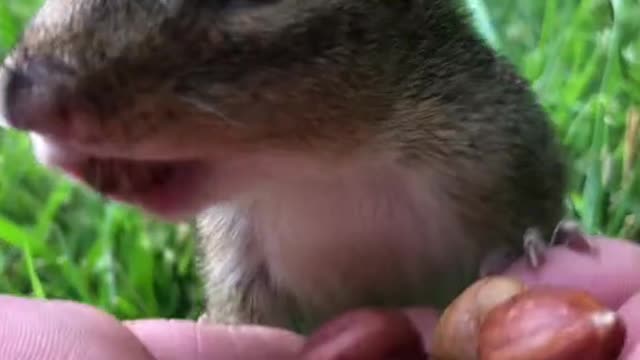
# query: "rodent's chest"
(331, 242)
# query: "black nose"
(34, 96)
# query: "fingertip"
(632, 355)
(610, 273)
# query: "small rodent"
(337, 154)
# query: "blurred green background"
(583, 58)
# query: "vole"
(335, 154)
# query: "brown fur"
(392, 114)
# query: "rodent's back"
(280, 73)
(464, 108)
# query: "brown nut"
(366, 335)
(456, 335)
(551, 324)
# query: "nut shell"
(366, 335)
(551, 324)
(456, 335)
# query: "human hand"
(611, 274)
(34, 329)
(61, 330)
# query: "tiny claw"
(535, 247)
(203, 318)
(570, 234)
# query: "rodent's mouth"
(170, 189)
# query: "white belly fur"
(328, 237)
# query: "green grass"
(582, 57)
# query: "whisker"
(208, 107)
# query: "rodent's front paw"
(570, 234)
(567, 233)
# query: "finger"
(630, 313)
(632, 355)
(177, 339)
(610, 274)
(59, 330)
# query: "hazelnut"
(456, 335)
(366, 335)
(551, 324)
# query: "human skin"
(37, 329)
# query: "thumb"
(60, 330)
(181, 339)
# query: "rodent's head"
(160, 86)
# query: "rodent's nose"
(34, 97)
